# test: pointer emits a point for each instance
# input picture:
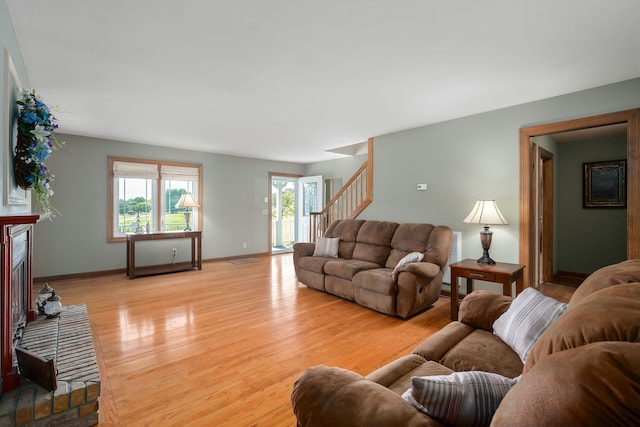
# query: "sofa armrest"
(427, 270)
(481, 308)
(304, 248)
(301, 249)
(330, 396)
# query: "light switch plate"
(422, 187)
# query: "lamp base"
(485, 239)
(486, 259)
(187, 217)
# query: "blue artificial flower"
(30, 117)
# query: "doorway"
(530, 186)
(293, 198)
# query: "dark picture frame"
(605, 184)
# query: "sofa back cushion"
(594, 385)
(623, 272)
(347, 231)
(611, 314)
(373, 243)
(408, 238)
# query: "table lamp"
(485, 212)
(186, 201)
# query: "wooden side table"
(470, 269)
(196, 252)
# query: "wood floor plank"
(223, 345)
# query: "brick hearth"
(68, 340)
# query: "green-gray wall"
(588, 238)
(232, 205)
(471, 158)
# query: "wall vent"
(454, 256)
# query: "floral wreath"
(36, 141)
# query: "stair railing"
(350, 200)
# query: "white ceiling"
(289, 79)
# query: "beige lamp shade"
(485, 212)
(186, 201)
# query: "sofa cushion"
(313, 263)
(327, 247)
(529, 315)
(594, 385)
(406, 239)
(373, 243)
(347, 231)
(461, 398)
(347, 268)
(396, 375)
(378, 280)
(610, 314)
(483, 351)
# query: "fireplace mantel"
(14, 226)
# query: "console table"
(196, 252)
(500, 272)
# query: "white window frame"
(160, 172)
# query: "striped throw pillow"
(529, 315)
(327, 247)
(460, 399)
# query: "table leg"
(506, 287)
(131, 249)
(469, 285)
(128, 252)
(193, 252)
(200, 252)
(454, 295)
(519, 285)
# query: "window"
(143, 194)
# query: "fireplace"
(16, 303)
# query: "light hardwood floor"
(224, 345)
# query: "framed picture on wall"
(13, 194)
(605, 184)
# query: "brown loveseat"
(584, 370)
(368, 252)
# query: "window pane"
(174, 218)
(135, 204)
(309, 197)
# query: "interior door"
(544, 214)
(309, 199)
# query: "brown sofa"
(367, 254)
(584, 370)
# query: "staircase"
(350, 201)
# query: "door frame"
(529, 184)
(270, 204)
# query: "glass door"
(293, 198)
(310, 198)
